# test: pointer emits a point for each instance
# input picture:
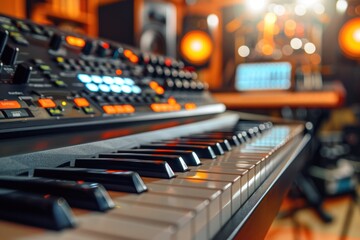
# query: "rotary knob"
(22, 73)
(4, 35)
(56, 41)
(9, 55)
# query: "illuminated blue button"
(84, 78)
(126, 89)
(129, 81)
(136, 89)
(104, 88)
(96, 79)
(108, 80)
(92, 87)
(115, 88)
(118, 80)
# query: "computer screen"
(263, 76)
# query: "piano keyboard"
(181, 182)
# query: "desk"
(332, 96)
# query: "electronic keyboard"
(102, 141)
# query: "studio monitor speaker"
(158, 28)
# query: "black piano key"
(216, 147)
(239, 136)
(190, 157)
(223, 142)
(232, 139)
(43, 211)
(123, 181)
(91, 196)
(201, 151)
(176, 163)
(157, 169)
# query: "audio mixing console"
(53, 79)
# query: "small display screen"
(263, 76)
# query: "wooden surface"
(332, 96)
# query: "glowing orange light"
(128, 53)
(105, 45)
(81, 102)
(349, 38)
(190, 106)
(118, 71)
(75, 41)
(168, 62)
(128, 108)
(172, 101)
(80, 182)
(200, 175)
(159, 90)
(8, 104)
(47, 103)
(134, 59)
(165, 107)
(196, 47)
(267, 49)
(109, 109)
(153, 85)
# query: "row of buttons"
(91, 66)
(133, 99)
(118, 109)
(158, 71)
(17, 25)
(178, 84)
(106, 84)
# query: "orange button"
(109, 109)
(119, 109)
(190, 106)
(8, 104)
(81, 102)
(47, 103)
(128, 108)
(165, 107)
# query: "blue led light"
(84, 78)
(136, 89)
(104, 88)
(96, 79)
(129, 81)
(108, 80)
(118, 80)
(115, 88)
(92, 87)
(126, 89)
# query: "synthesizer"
(102, 141)
(53, 79)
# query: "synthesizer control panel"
(50, 78)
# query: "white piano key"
(259, 168)
(181, 219)
(252, 168)
(225, 188)
(197, 206)
(246, 188)
(125, 227)
(210, 194)
(237, 184)
(106, 226)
